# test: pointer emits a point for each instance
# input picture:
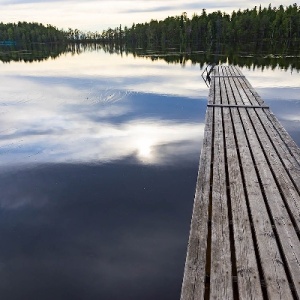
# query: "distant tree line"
(269, 24)
(275, 26)
(76, 35)
(27, 33)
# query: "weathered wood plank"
(228, 72)
(285, 168)
(281, 133)
(246, 215)
(292, 165)
(221, 275)
(246, 264)
(241, 99)
(193, 286)
(217, 71)
(217, 93)
(233, 70)
(247, 83)
(211, 96)
(275, 277)
(276, 183)
(290, 143)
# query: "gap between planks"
(244, 239)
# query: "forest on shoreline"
(276, 27)
(272, 25)
(24, 33)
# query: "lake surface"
(99, 158)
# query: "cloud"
(52, 110)
(198, 6)
(16, 2)
(90, 169)
(147, 10)
(99, 15)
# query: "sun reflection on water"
(145, 150)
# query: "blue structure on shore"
(8, 43)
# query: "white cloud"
(135, 74)
(61, 110)
(99, 15)
(285, 82)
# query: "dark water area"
(115, 231)
(99, 159)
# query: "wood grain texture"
(244, 240)
(221, 275)
(193, 286)
(252, 156)
(278, 187)
(246, 262)
(285, 167)
(290, 143)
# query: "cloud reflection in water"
(97, 180)
(97, 133)
(88, 118)
(99, 158)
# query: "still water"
(99, 157)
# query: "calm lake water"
(99, 159)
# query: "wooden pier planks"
(245, 231)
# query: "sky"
(101, 14)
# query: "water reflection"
(32, 52)
(258, 55)
(99, 157)
(67, 234)
(65, 126)
(97, 178)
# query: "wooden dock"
(245, 231)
